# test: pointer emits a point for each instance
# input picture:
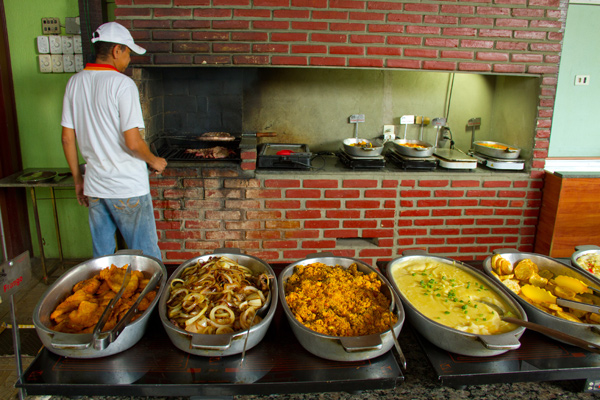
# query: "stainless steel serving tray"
(223, 344)
(589, 332)
(451, 339)
(80, 345)
(507, 151)
(338, 348)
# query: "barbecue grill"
(181, 148)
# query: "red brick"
(477, 21)
(441, 42)
(491, 56)
(280, 60)
(481, 67)
(410, 64)
(389, 28)
(270, 24)
(422, 53)
(508, 68)
(354, 27)
(343, 15)
(318, 244)
(459, 32)
(439, 65)
(242, 3)
(362, 204)
(415, 193)
(440, 19)
(383, 5)
(310, 3)
(280, 244)
(231, 47)
(380, 213)
(342, 194)
(132, 12)
(271, 48)
(249, 36)
(271, 3)
(172, 12)
(404, 40)
(328, 38)
(367, 39)
(328, 61)
(367, 16)
(496, 33)
(449, 193)
(349, 50)
(416, 213)
(384, 51)
(322, 204)
(512, 23)
(423, 30)
(209, 36)
(493, 11)
(289, 37)
(309, 49)
(479, 44)
(289, 14)
(191, 2)
(309, 25)
(213, 13)
(419, 7)
(365, 62)
(241, 13)
(405, 18)
(448, 212)
(432, 203)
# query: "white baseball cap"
(114, 32)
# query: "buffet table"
(279, 364)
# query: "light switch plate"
(45, 62)
(77, 47)
(43, 45)
(67, 44)
(55, 44)
(78, 62)
(57, 63)
(69, 62)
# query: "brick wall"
(285, 219)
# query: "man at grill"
(102, 116)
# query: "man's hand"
(82, 199)
(158, 165)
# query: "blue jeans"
(134, 217)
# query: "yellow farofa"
(337, 301)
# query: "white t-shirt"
(100, 105)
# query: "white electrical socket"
(45, 62)
(67, 44)
(388, 132)
(69, 62)
(78, 62)
(77, 44)
(582, 80)
(57, 63)
(43, 45)
(55, 44)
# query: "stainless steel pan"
(84, 345)
(589, 332)
(500, 150)
(354, 147)
(224, 344)
(425, 151)
(339, 348)
(451, 339)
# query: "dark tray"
(299, 157)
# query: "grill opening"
(192, 149)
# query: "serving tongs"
(98, 339)
(103, 339)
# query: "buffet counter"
(279, 364)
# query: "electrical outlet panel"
(72, 26)
(78, 62)
(43, 45)
(45, 62)
(55, 44)
(67, 44)
(57, 63)
(50, 26)
(69, 62)
(77, 47)
(582, 80)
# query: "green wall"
(574, 128)
(39, 104)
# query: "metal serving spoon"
(559, 335)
